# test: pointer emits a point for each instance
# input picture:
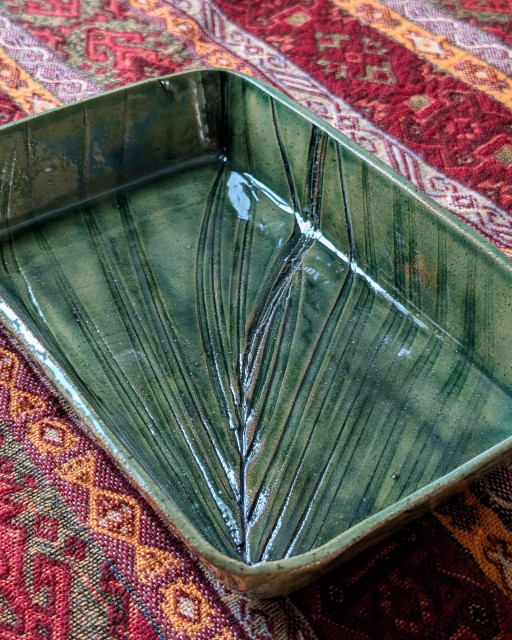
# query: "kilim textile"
(424, 85)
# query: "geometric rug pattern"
(425, 86)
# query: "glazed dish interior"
(285, 340)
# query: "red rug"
(426, 86)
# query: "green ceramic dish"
(286, 347)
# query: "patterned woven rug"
(426, 86)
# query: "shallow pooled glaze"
(287, 348)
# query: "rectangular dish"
(287, 348)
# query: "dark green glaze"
(287, 348)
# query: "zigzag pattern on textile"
(43, 65)
(475, 41)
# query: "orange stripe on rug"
(184, 27)
(485, 537)
(435, 49)
(28, 94)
